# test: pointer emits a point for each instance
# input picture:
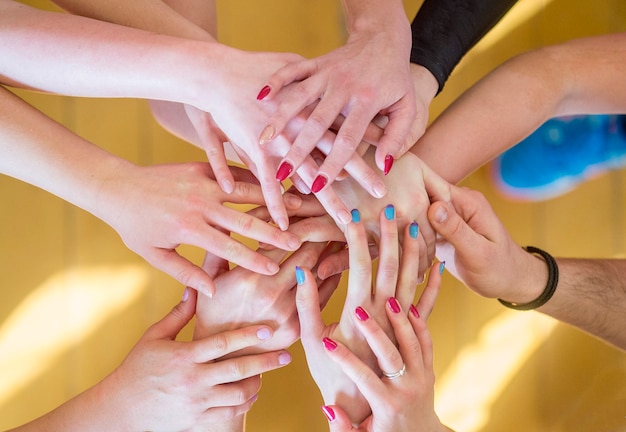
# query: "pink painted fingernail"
(284, 170)
(186, 294)
(329, 344)
(267, 134)
(319, 183)
(263, 93)
(329, 413)
(393, 305)
(388, 164)
(361, 314)
(414, 311)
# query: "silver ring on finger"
(397, 374)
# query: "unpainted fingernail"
(344, 216)
(292, 202)
(379, 190)
(284, 358)
(441, 214)
(283, 223)
(272, 267)
(204, 289)
(267, 134)
(227, 186)
(264, 333)
(186, 294)
(293, 242)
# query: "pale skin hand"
(406, 403)
(590, 293)
(165, 385)
(411, 184)
(378, 48)
(396, 277)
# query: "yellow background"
(74, 300)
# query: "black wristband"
(553, 280)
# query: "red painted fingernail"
(329, 344)
(263, 93)
(393, 305)
(319, 183)
(361, 314)
(284, 170)
(414, 311)
(329, 413)
(388, 164)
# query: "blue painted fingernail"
(442, 266)
(356, 216)
(414, 230)
(390, 212)
(299, 276)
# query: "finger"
(294, 71)
(389, 260)
(420, 329)
(170, 325)
(360, 277)
(243, 175)
(218, 345)
(327, 288)
(316, 229)
(256, 229)
(401, 116)
(237, 368)
(427, 299)
(183, 270)
(334, 264)
(231, 394)
(409, 266)
(408, 342)
(453, 228)
(214, 265)
(389, 358)
(272, 194)
(437, 188)
(314, 128)
(307, 304)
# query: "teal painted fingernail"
(442, 266)
(390, 212)
(356, 216)
(299, 276)
(414, 230)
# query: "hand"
(381, 85)
(165, 385)
(403, 403)
(411, 185)
(396, 278)
(244, 297)
(168, 205)
(480, 252)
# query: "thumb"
(449, 225)
(170, 325)
(338, 420)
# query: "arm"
(163, 384)
(578, 77)
(590, 295)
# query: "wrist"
(426, 84)
(532, 278)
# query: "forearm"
(591, 295)
(76, 56)
(581, 76)
(443, 31)
(376, 16)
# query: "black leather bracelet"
(553, 280)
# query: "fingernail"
(300, 276)
(284, 170)
(204, 289)
(254, 398)
(379, 190)
(361, 314)
(414, 230)
(414, 311)
(442, 266)
(356, 216)
(263, 93)
(388, 164)
(390, 212)
(344, 216)
(329, 413)
(441, 215)
(267, 134)
(186, 294)
(393, 305)
(264, 333)
(292, 202)
(319, 183)
(283, 223)
(302, 186)
(329, 344)
(273, 267)
(284, 358)
(227, 186)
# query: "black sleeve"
(444, 30)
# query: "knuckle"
(237, 369)
(233, 250)
(245, 223)
(220, 343)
